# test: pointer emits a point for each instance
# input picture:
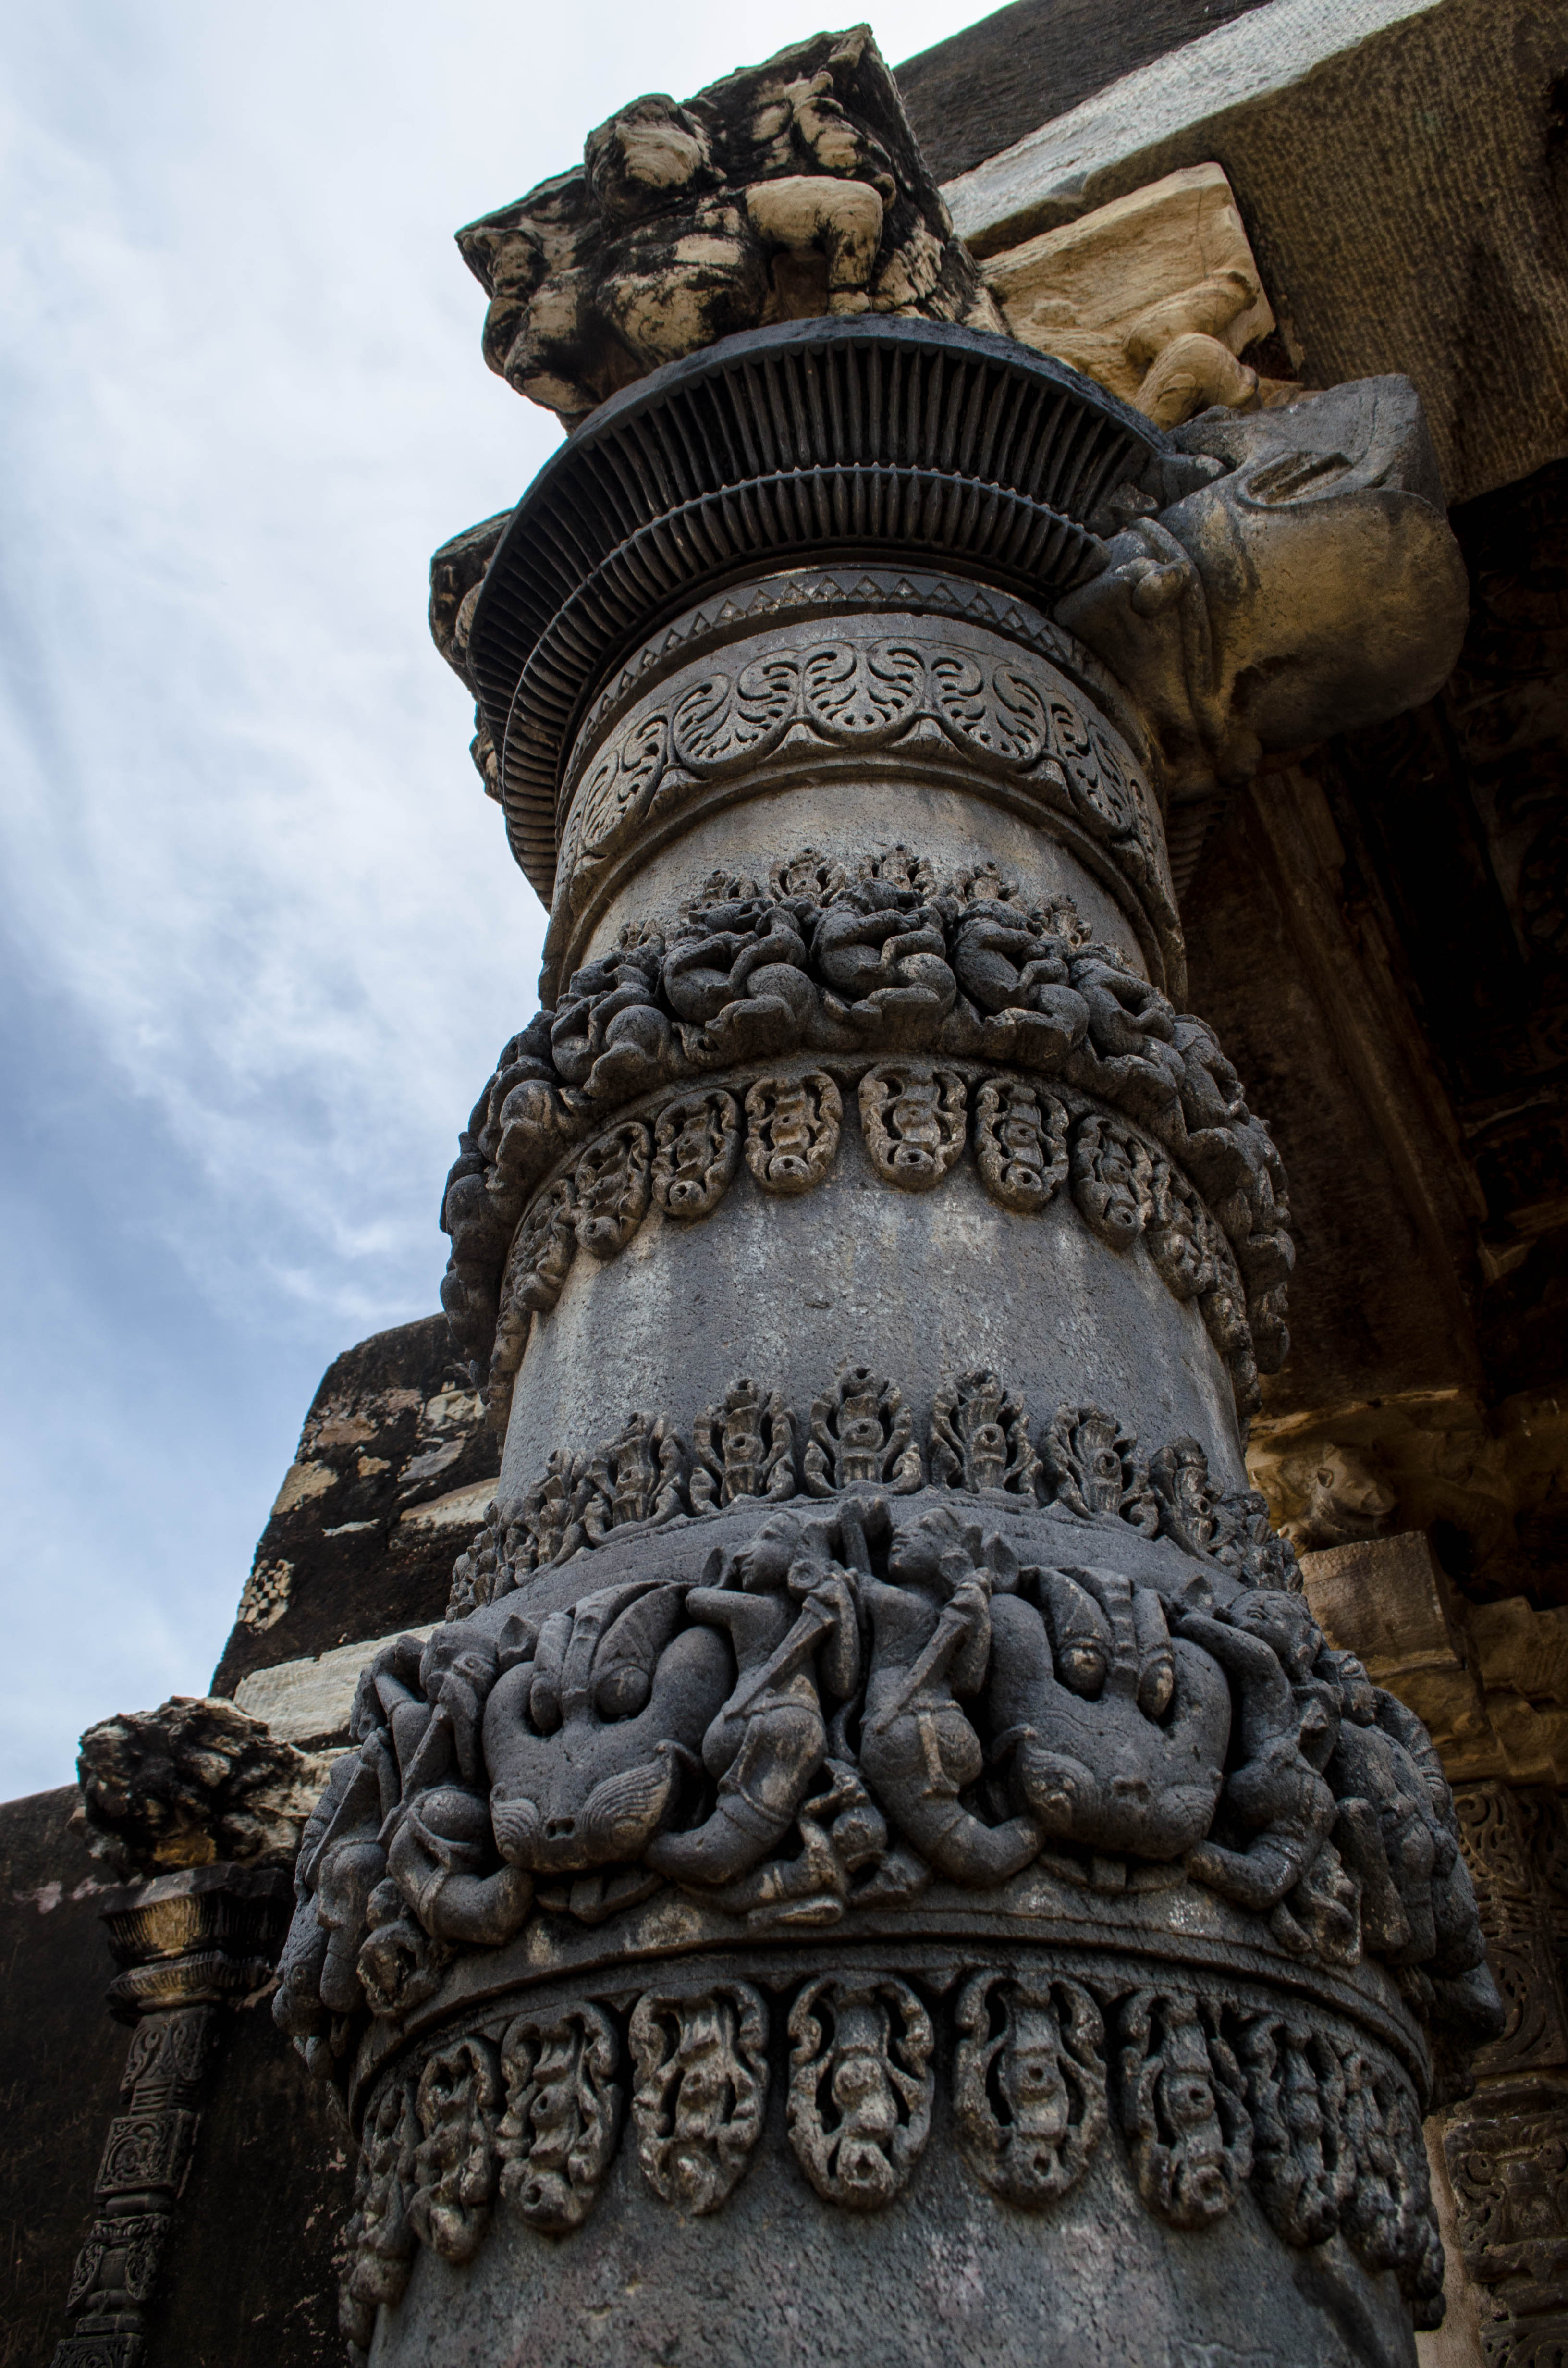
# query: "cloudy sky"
(260, 938)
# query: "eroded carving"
(563, 2115)
(1117, 1730)
(1029, 2085)
(931, 1637)
(1182, 2107)
(610, 1188)
(634, 1478)
(884, 959)
(790, 1614)
(1020, 1144)
(701, 2088)
(860, 2087)
(862, 1434)
(913, 1123)
(589, 1735)
(697, 1148)
(744, 1447)
(793, 1131)
(457, 2105)
(789, 189)
(980, 1438)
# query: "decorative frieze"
(872, 1691)
(916, 699)
(701, 2087)
(1146, 1118)
(1199, 2091)
(860, 1433)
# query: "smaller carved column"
(1506, 2146)
(186, 1945)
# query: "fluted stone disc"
(863, 437)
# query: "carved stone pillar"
(881, 1861)
(1506, 2144)
(187, 1945)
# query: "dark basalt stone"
(863, 437)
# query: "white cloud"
(260, 930)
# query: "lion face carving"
(590, 1740)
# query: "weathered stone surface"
(1325, 121)
(394, 1468)
(192, 1783)
(309, 1702)
(859, 1676)
(1367, 604)
(61, 2062)
(1156, 296)
(983, 89)
(941, 2278)
(788, 190)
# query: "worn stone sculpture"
(879, 1772)
(790, 190)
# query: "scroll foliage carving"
(457, 2105)
(1209, 2091)
(701, 2088)
(869, 1695)
(1020, 1140)
(913, 1123)
(745, 1447)
(862, 1434)
(697, 1148)
(1029, 2085)
(380, 2236)
(997, 706)
(610, 1190)
(860, 2087)
(563, 2115)
(980, 1438)
(793, 1131)
(1183, 2108)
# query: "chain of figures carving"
(927, 693)
(1208, 2092)
(888, 959)
(869, 1695)
(860, 1433)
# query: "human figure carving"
(883, 954)
(1286, 1722)
(738, 970)
(790, 1614)
(1007, 962)
(931, 1626)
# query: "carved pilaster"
(1506, 2146)
(187, 1945)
